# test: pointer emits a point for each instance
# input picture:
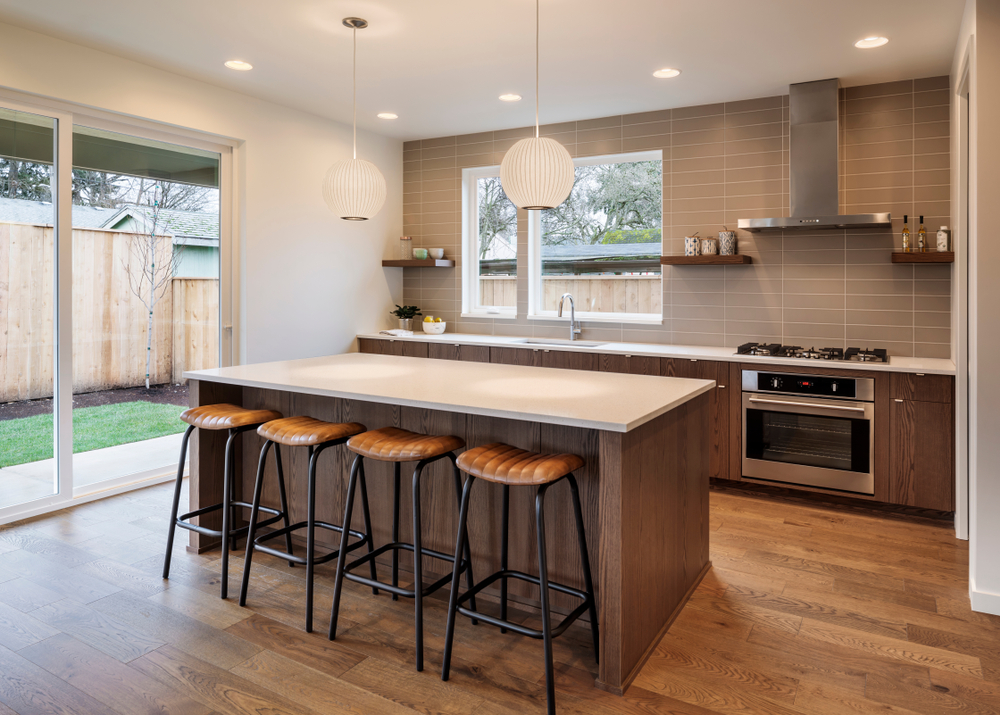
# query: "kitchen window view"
(602, 244)
(491, 221)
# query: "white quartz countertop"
(930, 366)
(594, 400)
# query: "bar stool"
(237, 420)
(391, 444)
(317, 436)
(509, 466)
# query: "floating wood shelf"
(415, 263)
(736, 260)
(929, 257)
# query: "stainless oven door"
(813, 442)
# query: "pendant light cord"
(537, 2)
(354, 61)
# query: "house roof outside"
(40, 213)
(189, 227)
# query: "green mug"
(420, 254)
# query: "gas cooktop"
(812, 353)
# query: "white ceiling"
(441, 64)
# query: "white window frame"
(535, 312)
(470, 248)
(67, 115)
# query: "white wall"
(309, 281)
(980, 41)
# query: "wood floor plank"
(216, 688)
(18, 630)
(106, 679)
(893, 648)
(104, 632)
(122, 575)
(28, 689)
(207, 608)
(747, 611)
(820, 698)
(411, 689)
(310, 649)
(166, 625)
(867, 592)
(324, 694)
(25, 595)
(80, 588)
(927, 701)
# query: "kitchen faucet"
(574, 330)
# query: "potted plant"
(406, 313)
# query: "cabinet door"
(922, 388)
(921, 461)
(569, 360)
(372, 345)
(516, 356)
(392, 347)
(451, 351)
(631, 364)
(718, 371)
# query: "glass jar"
(405, 248)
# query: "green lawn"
(29, 439)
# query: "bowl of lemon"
(433, 326)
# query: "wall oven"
(811, 430)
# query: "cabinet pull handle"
(628, 356)
(898, 400)
(722, 387)
(920, 374)
(693, 360)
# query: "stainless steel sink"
(555, 342)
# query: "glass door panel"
(27, 309)
(145, 299)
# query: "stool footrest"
(182, 520)
(400, 546)
(521, 576)
(258, 543)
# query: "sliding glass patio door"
(115, 278)
(34, 254)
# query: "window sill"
(636, 319)
(492, 316)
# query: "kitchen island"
(644, 486)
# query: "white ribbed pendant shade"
(537, 173)
(354, 189)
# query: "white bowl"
(434, 328)
(436, 253)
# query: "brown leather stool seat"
(391, 444)
(394, 445)
(226, 416)
(236, 420)
(513, 467)
(503, 464)
(307, 431)
(316, 436)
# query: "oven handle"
(844, 408)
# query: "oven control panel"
(848, 388)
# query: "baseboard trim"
(984, 601)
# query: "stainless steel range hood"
(814, 161)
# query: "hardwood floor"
(807, 609)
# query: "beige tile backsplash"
(722, 162)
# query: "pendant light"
(538, 172)
(354, 189)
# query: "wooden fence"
(109, 323)
(604, 294)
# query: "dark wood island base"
(644, 494)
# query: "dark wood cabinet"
(452, 351)
(720, 421)
(516, 356)
(405, 348)
(924, 388)
(922, 459)
(630, 364)
(570, 360)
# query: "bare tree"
(150, 264)
(497, 221)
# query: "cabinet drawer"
(923, 388)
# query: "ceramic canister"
(727, 243)
(692, 247)
(709, 247)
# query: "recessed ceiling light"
(510, 98)
(666, 73)
(239, 65)
(869, 42)
(387, 115)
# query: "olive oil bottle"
(922, 237)
(906, 234)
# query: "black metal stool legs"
(311, 534)
(338, 581)
(395, 526)
(418, 574)
(258, 487)
(504, 536)
(543, 578)
(227, 500)
(588, 581)
(449, 633)
(176, 503)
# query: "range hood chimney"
(814, 159)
